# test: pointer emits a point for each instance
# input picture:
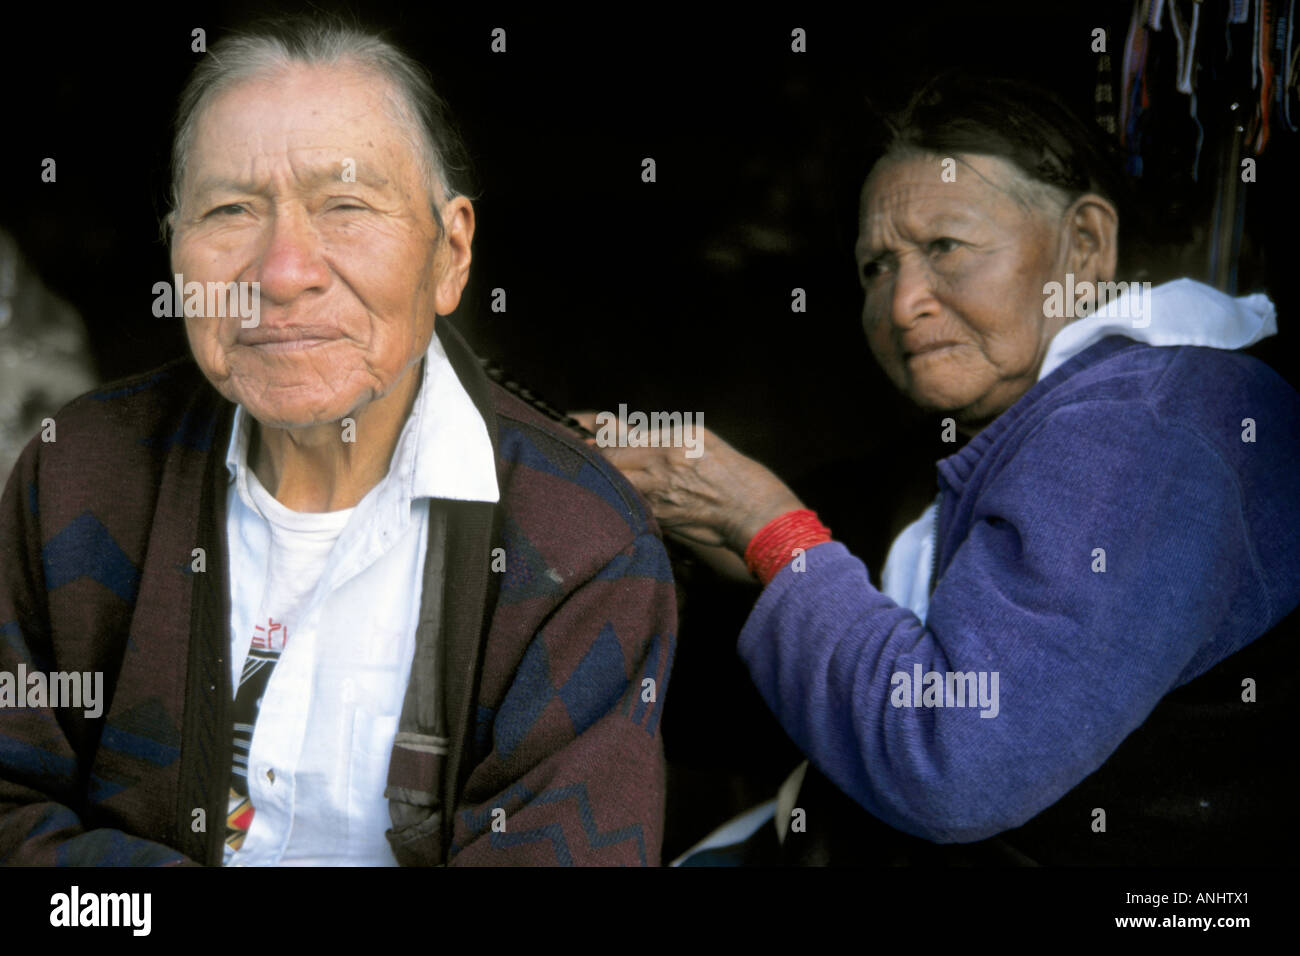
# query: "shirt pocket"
(372, 747)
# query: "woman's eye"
(227, 210)
(871, 270)
(943, 244)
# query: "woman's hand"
(719, 498)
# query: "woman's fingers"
(587, 419)
(708, 494)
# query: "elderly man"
(350, 602)
(1074, 654)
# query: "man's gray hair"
(280, 44)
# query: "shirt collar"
(443, 451)
(1182, 312)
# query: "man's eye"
(942, 245)
(227, 210)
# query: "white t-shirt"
(300, 544)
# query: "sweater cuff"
(776, 542)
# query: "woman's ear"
(1091, 226)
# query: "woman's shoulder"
(1196, 385)
(1128, 405)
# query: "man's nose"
(291, 261)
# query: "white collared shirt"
(1182, 312)
(318, 764)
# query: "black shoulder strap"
(429, 762)
(206, 740)
(470, 588)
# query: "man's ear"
(457, 237)
(1091, 238)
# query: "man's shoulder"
(168, 405)
(106, 452)
(553, 482)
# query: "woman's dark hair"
(958, 112)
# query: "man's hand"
(720, 498)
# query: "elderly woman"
(1122, 519)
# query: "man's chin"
(277, 403)
(296, 416)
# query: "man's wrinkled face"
(953, 276)
(352, 273)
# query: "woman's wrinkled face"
(302, 182)
(953, 275)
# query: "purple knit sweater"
(1127, 454)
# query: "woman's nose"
(913, 292)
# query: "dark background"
(670, 295)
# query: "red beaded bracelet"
(773, 547)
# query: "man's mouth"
(287, 338)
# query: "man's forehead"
(313, 116)
(311, 168)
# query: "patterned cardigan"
(540, 743)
